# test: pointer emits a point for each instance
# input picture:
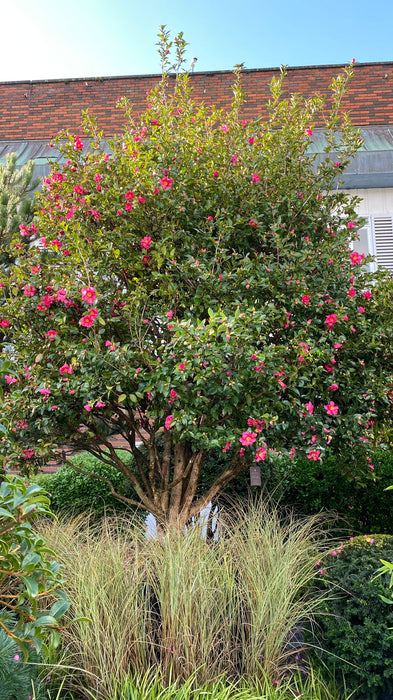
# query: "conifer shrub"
(356, 631)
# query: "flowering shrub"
(357, 628)
(194, 281)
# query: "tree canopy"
(193, 287)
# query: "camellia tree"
(194, 287)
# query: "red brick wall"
(39, 109)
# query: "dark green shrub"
(71, 490)
(312, 486)
(357, 626)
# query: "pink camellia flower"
(309, 407)
(248, 438)
(35, 269)
(337, 346)
(97, 177)
(260, 454)
(100, 404)
(29, 290)
(292, 452)
(331, 408)
(255, 177)
(61, 295)
(89, 295)
(251, 140)
(50, 335)
(87, 407)
(351, 292)
(86, 321)
(227, 447)
(253, 224)
(356, 258)
(146, 259)
(66, 369)
(306, 299)
(4, 323)
(225, 128)
(173, 394)
(168, 422)
(257, 424)
(24, 231)
(182, 366)
(78, 145)
(93, 313)
(146, 243)
(333, 387)
(9, 379)
(309, 132)
(216, 173)
(166, 182)
(27, 454)
(169, 314)
(331, 320)
(351, 224)
(361, 309)
(129, 195)
(44, 391)
(367, 294)
(315, 455)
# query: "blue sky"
(88, 38)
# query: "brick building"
(32, 112)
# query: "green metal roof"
(371, 167)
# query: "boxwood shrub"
(356, 631)
(310, 487)
(70, 490)
(360, 498)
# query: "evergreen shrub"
(356, 632)
(70, 490)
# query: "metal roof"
(371, 167)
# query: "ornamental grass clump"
(184, 607)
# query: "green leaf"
(31, 586)
(59, 608)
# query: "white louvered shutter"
(364, 245)
(383, 233)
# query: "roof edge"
(143, 76)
